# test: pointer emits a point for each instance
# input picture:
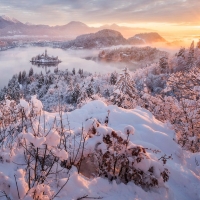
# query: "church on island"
(45, 59)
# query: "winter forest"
(107, 109)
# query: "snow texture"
(143, 130)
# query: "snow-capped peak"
(9, 19)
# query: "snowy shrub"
(112, 156)
(45, 150)
(127, 162)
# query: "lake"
(14, 60)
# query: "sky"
(176, 16)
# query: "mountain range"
(13, 27)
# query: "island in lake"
(44, 59)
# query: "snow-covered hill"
(146, 38)
(52, 140)
(99, 39)
(109, 37)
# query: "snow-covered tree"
(125, 93)
(181, 63)
(113, 78)
(13, 88)
(163, 64)
(190, 58)
(73, 71)
(20, 77)
(23, 76)
(90, 90)
(76, 93)
(41, 80)
(30, 72)
(184, 86)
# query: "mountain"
(13, 20)
(10, 27)
(7, 21)
(99, 39)
(112, 26)
(145, 38)
(74, 24)
(127, 32)
(13, 27)
(73, 29)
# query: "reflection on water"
(15, 60)
(45, 65)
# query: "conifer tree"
(190, 59)
(73, 71)
(125, 93)
(3, 93)
(182, 85)
(83, 96)
(30, 72)
(89, 90)
(163, 64)
(23, 76)
(76, 93)
(179, 61)
(13, 88)
(107, 93)
(113, 78)
(20, 77)
(41, 80)
(80, 72)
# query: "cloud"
(103, 11)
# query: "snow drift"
(91, 125)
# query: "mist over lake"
(14, 60)
(18, 59)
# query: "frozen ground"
(146, 131)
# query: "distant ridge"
(13, 27)
(108, 37)
(146, 38)
(7, 21)
(99, 39)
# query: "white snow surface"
(145, 130)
